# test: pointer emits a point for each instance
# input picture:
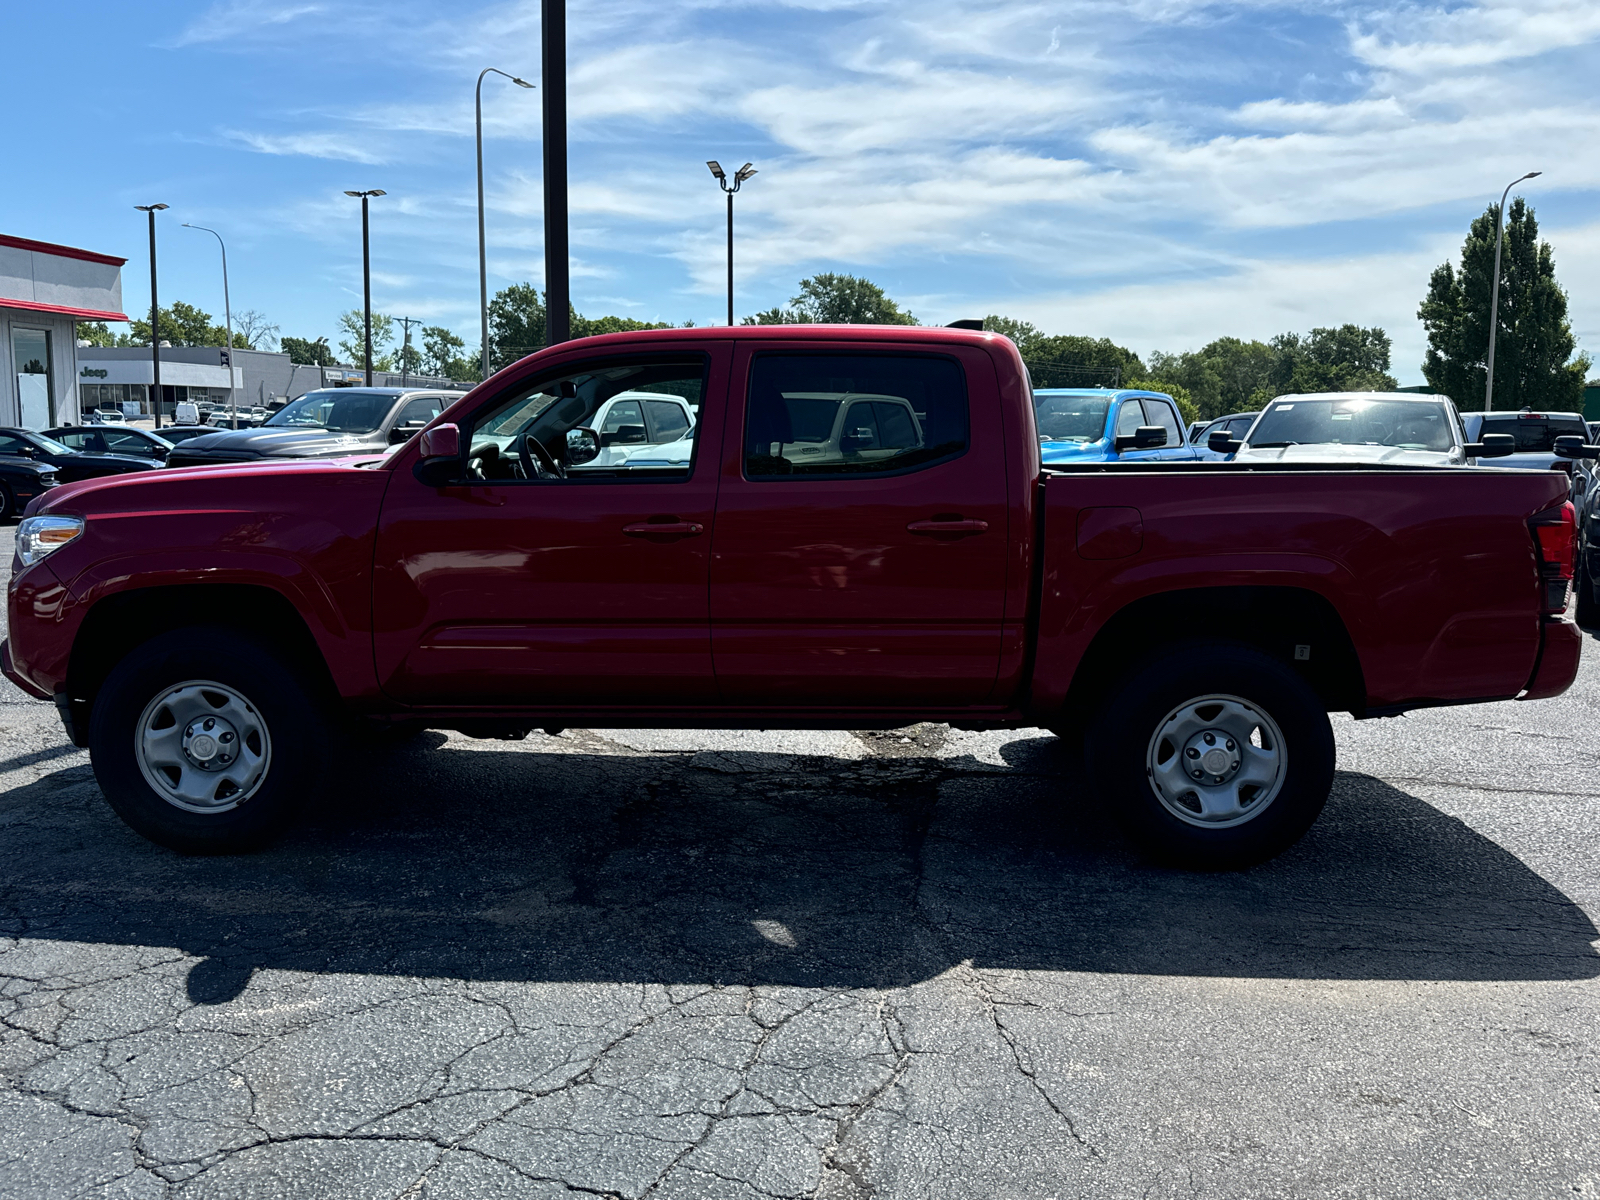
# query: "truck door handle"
(667, 528)
(947, 527)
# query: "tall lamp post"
(483, 251)
(739, 177)
(553, 68)
(227, 318)
(155, 316)
(366, 271)
(1494, 291)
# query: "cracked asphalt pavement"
(838, 965)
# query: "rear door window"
(855, 414)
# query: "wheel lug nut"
(1192, 752)
(225, 738)
(210, 724)
(1199, 774)
(1211, 739)
(1230, 743)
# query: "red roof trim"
(17, 243)
(78, 314)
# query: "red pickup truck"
(211, 634)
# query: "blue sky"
(1161, 172)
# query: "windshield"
(49, 445)
(346, 410)
(1402, 424)
(1070, 418)
(1534, 435)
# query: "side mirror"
(1146, 437)
(583, 446)
(440, 462)
(1570, 445)
(1223, 442)
(1494, 445)
(404, 433)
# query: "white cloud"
(344, 147)
(1474, 35)
(242, 19)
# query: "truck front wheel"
(1215, 757)
(205, 741)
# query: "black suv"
(320, 424)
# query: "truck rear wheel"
(205, 741)
(1216, 757)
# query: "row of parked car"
(1396, 428)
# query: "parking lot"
(719, 964)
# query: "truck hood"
(180, 489)
(1054, 452)
(1333, 452)
(245, 444)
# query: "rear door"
(860, 574)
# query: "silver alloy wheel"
(1216, 761)
(202, 746)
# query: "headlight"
(39, 536)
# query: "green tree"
(1343, 359)
(1534, 365)
(304, 350)
(442, 354)
(1023, 333)
(1065, 361)
(353, 345)
(517, 324)
(95, 333)
(1221, 377)
(830, 299)
(1180, 396)
(181, 325)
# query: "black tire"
(1586, 611)
(7, 504)
(1123, 743)
(295, 722)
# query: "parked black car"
(113, 439)
(331, 421)
(21, 479)
(71, 465)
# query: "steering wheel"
(536, 460)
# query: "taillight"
(1553, 532)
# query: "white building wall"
(64, 364)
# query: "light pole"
(553, 68)
(483, 251)
(366, 271)
(227, 318)
(155, 316)
(1494, 291)
(405, 347)
(739, 177)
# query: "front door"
(860, 550)
(541, 580)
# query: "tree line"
(1535, 363)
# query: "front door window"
(30, 351)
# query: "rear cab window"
(1535, 433)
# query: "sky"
(1160, 172)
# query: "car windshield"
(1402, 424)
(49, 445)
(1070, 418)
(1534, 435)
(346, 410)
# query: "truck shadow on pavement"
(566, 860)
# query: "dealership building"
(44, 290)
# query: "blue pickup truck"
(1108, 425)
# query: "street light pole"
(739, 177)
(1494, 291)
(155, 316)
(405, 348)
(227, 318)
(483, 251)
(366, 272)
(553, 64)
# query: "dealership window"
(30, 352)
